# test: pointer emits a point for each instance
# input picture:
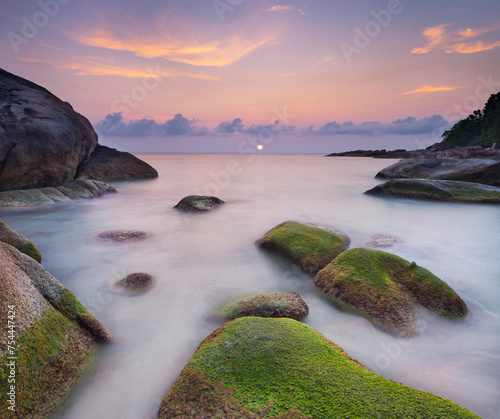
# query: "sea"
(199, 261)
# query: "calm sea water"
(201, 260)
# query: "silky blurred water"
(201, 260)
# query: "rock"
(254, 367)
(199, 203)
(135, 283)
(56, 339)
(381, 154)
(45, 143)
(382, 240)
(110, 164)
(438, 190)
(21, 243)
(269, 304)
(124, 236)
(310, 246)
(486, 171)
(79, 189)
(385, 287)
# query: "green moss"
(383, 286)
(477, 195)
(52, 355)
(31, 250)
(311, 247)
(274, 365)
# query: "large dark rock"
(310, 246)
(259, 368)
(385, 287)
(485, 171)
(55, 338)
(198, 203)
(45, 143)
(110, 164)
(438, 190)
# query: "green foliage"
(479, 128)
(31, 250)
(286, 369)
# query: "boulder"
(134, 284)
(486, 171)
(55, 339)
(199, 203)
(269, 304)
(310, 246)
(21, 243)
(45, 143)
(255, 367)
(385, 287)
(438, 190)
(123, 236)
(79, 189)
(110, 164)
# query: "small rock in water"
(382, 240)
(135, 283)
(124, 236)
(199, 203)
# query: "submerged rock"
(135, 283)
(254, 367)
(124, 236)
(79, 189)
(199, 203)
(55, 340)
(382, 240)
(486, 171)
(438, 190)
(310, 246)
(269, 304)
(21, 243)
(385, 287)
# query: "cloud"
(461, 41)
(409, 125)
(229, 127)
(286, 8)
(276, 128)
(216, 53)
(431, 89)
(113, 124)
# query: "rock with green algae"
(438, 190)
(385, 287)
(279, 368)
(199, 203)
(55, 342)
(268, 304)
(21, 243)
(310, 246)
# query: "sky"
(228, 75)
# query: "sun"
(260, 147)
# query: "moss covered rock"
(385, 287)
(279, 368)
(269, 304)
(55, 339)
(310, 246)
(199, 203)
(438, 190)
(21, 243)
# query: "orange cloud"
(210, 54)
(460, 41)
(288, 75)
(286, 8)
(431, 89)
